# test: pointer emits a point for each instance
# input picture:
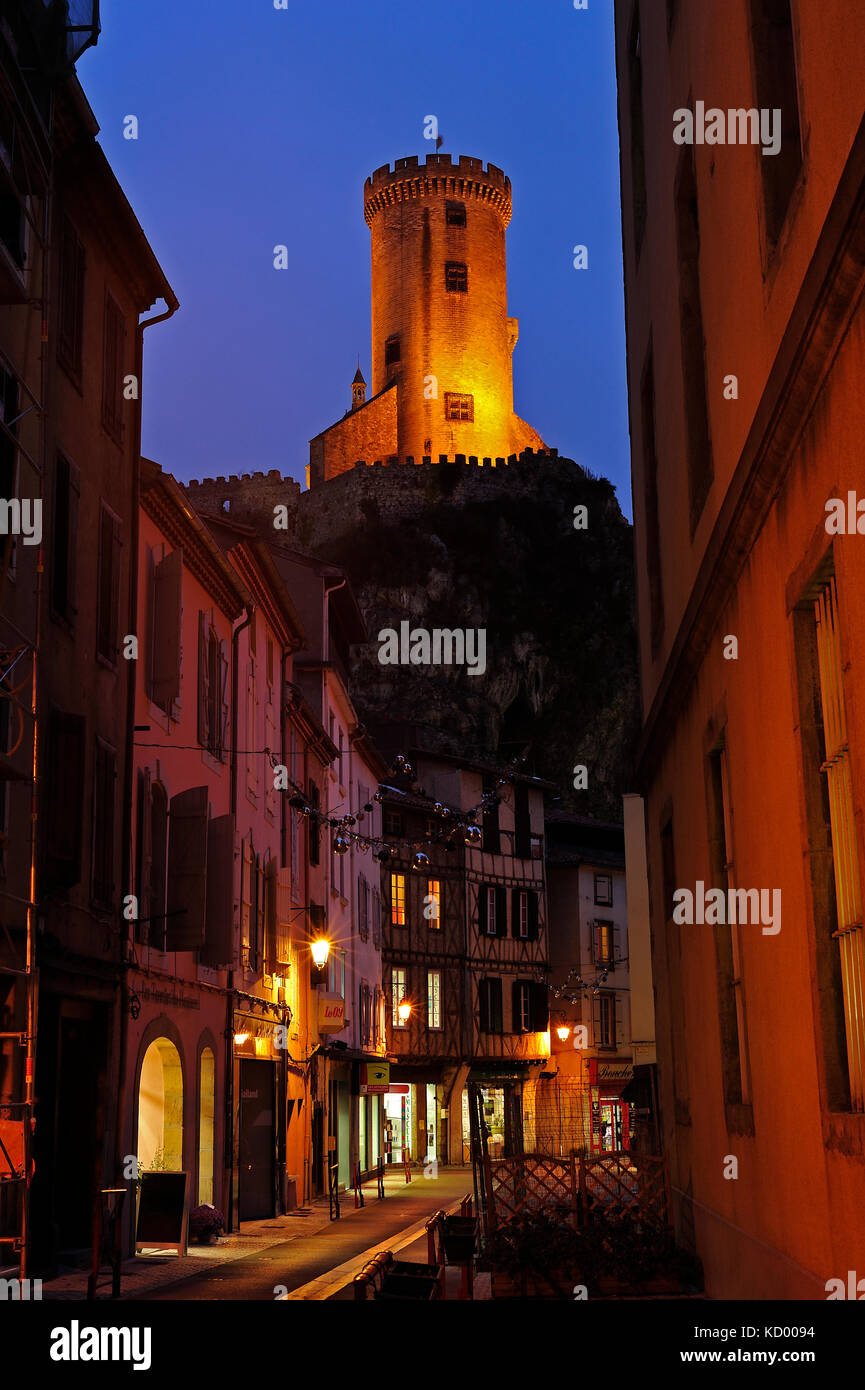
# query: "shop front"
(611, 1113)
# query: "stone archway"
(160, 1107)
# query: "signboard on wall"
(162, 1212)
(331, 1013)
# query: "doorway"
(256, 1177)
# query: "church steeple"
(358, 389)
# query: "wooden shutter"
(72, 543)
(246, 871)
(218, 949)
(501, 910)
(187, 870)
(482, 908)
(203, 682)
(496, 1019)
(71, 297)
(145, 854)
(522, 823)
(64, 786)
(539, 1008)
(259, 913)
(516, 1012)
(534, 905)
(113, 341)
(283, 916)
(484, 1005)
(109, 584)
(596, 1020)
(222, 707)
(270, 917)
(515, 912)
(165, 647)
(102, 867)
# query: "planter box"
(459, 1238)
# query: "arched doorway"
(160, 1107)
(207, 1078)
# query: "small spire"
(358, 388)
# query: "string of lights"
(454, 821)
(585, 988)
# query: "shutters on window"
(113, 349)
(64, 787)
(144, 853)
(534, 905)
(108, 596)
(203, 681)
(71, 298)
(283, 916)
(501, 910)
(539, 1007)
(482, 910)
(271, 872)
(519, 1007)
(165, 638)
(104, 778)
(218, 949)
(522, 823)
(187, 870)
(490, 1001)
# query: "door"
(256, 1177)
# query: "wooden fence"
(578, 1186)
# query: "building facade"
(76, 278)
(466, 945)
(600, 1098)
(744, 266)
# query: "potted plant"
(205, 1223)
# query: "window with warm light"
(397, 900)
(604, 943)
(433, 907)
(397, 994)
(434, 998)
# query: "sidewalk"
(282, 1254)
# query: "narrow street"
(313, 1249)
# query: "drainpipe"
(229, 999)
(128, 786)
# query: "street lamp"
(403, 1010)
(319, 950)
(563, 1032)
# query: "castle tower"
(358, 389)
(442, 341)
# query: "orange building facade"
(746, 349)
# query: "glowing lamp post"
(563, 1032)
(403, 1010)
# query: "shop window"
(160, 1108)
(206, 1117)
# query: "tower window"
(456, 277)
(459, 407)
(455, 214)
(391, 350)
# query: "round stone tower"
(440, 322)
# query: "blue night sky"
(258, 126)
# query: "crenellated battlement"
(437, 176)
(527, 456)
